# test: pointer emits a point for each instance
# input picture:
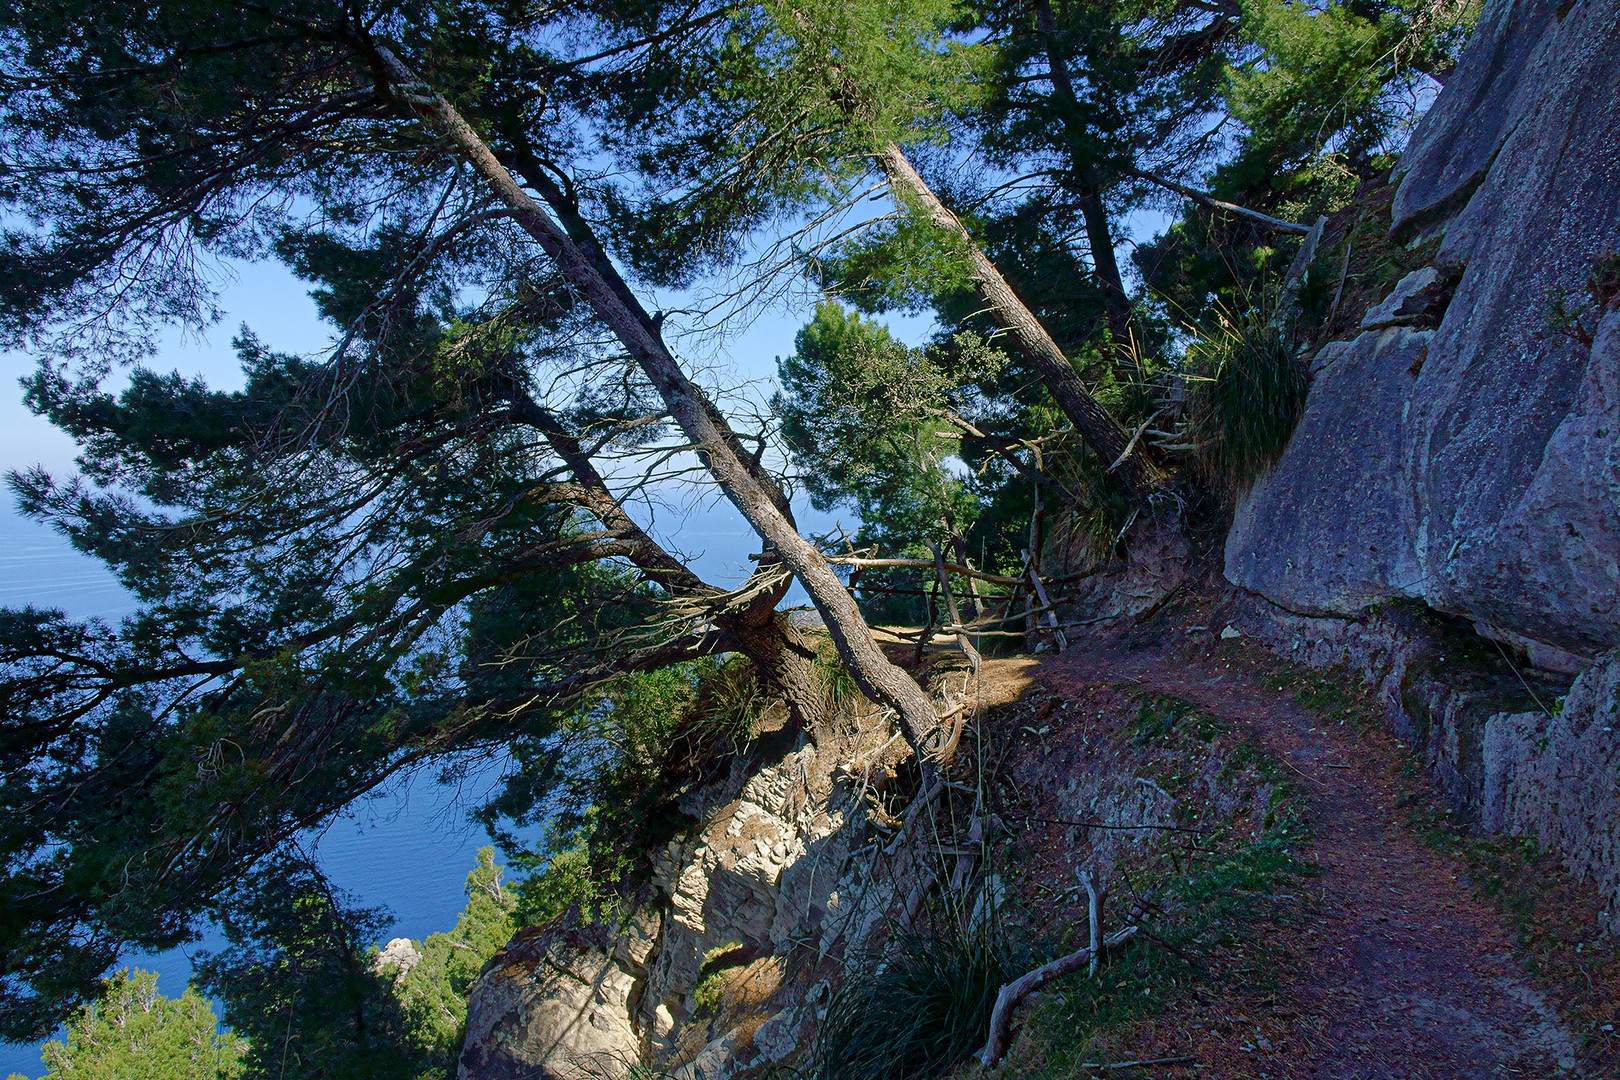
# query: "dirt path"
(1406, 975)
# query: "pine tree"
(131, 1030)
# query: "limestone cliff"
(1464, 450)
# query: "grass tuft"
(922, 1008)
(1248, 391)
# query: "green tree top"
(134, 1031)
(434, 991)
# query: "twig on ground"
(1094, 902)
(1136, 1064)
(1020, 988)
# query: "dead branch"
(962, 640)
(923, 564)
(1051, 617)
(1212, 203)
(1020, 988)
(1094, 902)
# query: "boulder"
(1329, 529)
(399, 956)
(555, 1004)
(1419, 299)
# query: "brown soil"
(1403, 972)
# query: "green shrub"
(921, 1009)
(434, 992)
(134, 1031)
(1247, 394)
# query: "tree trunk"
(1104, 266)
(1099, 237)
(1096, 427)
(760, 633)
(698, 419)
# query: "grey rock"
(764, 874)
(1419, 297)
(716, 1061)
(780, 1037)
(1553, 777)
(399, 956)
(1461, 134)
(1481, 476)
(1327, 530)
(553, 1005)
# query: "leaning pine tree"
(359, 561)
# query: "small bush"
(564, 881)
(1603, 282)
(922, 1009)
(1248, 392)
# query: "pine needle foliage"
(134, 1031)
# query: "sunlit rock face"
(1463, 452)
(767, 874)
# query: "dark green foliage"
(922, 1009)
(352, 564)
(878, 427)
(297, 982)
(1324, 94)
(564, 880)
(861, 413)
(605, 781)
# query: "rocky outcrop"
(785, 874)
(1475, 466)
(397, 957)
(766, 875)
(556, 1004)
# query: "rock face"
(766, 873)
(556, 1005)
(1476, 466)
(758, 905)
(1554, 777)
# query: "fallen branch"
(1051, 618)
(1094, 902)
(963, 641)
(1137, 434)
(1136, 1064)
(1020, 988)
(923, 564)
(1212, 203)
